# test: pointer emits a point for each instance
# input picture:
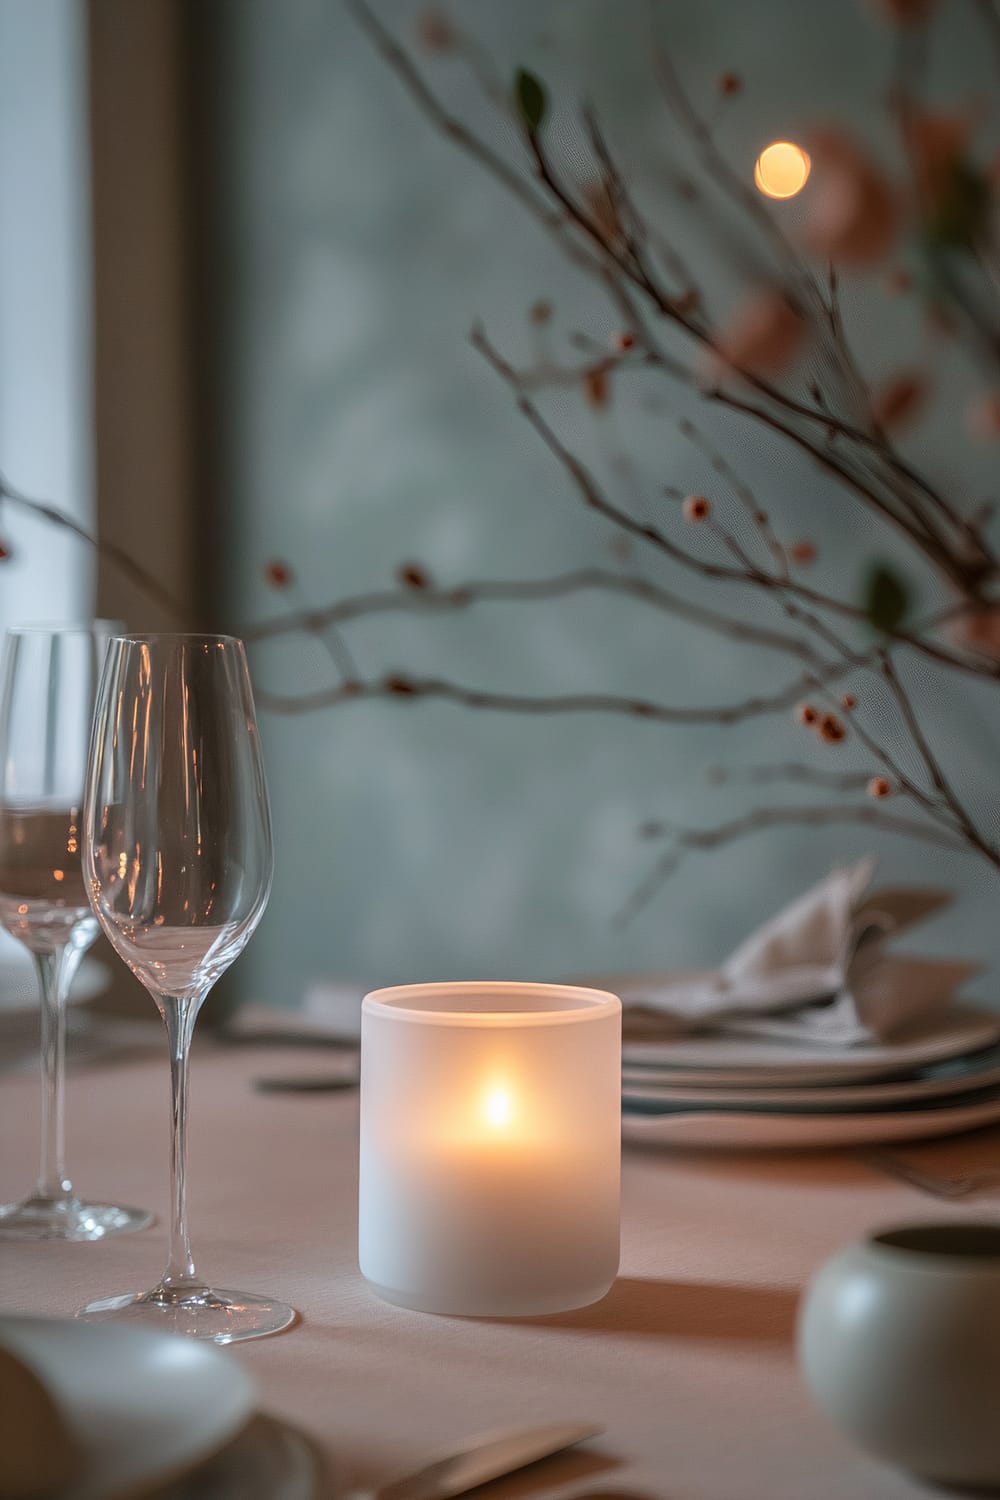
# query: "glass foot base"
(196, 1312)
(68, 1219)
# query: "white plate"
(147, 1406)
(713, 1059)
(647, 1086)
(268, 1460)
(730, 1130)
(19, 984)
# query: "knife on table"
(482, 1458)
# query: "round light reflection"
(782, 169)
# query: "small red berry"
(848, 702)
(277, 574)
(879, 787)
(697, 508)
(413, 576)
(730, 84)
(806, 714)
(624, 341)
(803, 553)
(830, 730)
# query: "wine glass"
(48, 677)
(177, 859)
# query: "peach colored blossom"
(435, 31)
(602, 210)
(764, 337)
(853, 211)
(900, 401)
(848, 702)
(903, 12)
(898, 281)
(979, 631)
(596, 389)
(982, 416)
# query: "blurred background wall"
(289, 259)
(354, 248)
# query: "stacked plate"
(725, 1090)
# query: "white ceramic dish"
(19, 985)
(729, 1130)
(147, 1407)
(711, 1059)
(980, 1071)
(268, 1460)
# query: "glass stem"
(53, 1183)
(179, 1016)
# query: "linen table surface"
(688, 1363)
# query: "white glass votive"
(490, 1146)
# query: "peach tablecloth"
(688, 1363)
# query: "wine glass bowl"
(48, 678)
(177, 860)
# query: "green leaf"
(531, 99)
(887, 599)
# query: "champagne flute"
(48, 677)
(177, 860)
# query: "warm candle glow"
(782, 169)
(490, 1144)
(498, 1108)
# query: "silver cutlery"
(480, 1459)
(935, 1185)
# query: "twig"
(402, 685)
(430, 600)
(687, 840)
(651, 535)
(110, 551)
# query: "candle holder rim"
(593, 1004)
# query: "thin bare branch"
(119, 559)
(684, 841)
(402, 685)
(431, 600)
(594, 497)
(789, 772)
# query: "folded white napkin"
(816, 972)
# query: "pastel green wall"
(354, 250)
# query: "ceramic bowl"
(899, 1342)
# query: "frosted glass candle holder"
(490, 1147)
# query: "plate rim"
(151, 1482)
(701, 1130)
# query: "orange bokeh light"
(782, 169)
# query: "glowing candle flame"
(782, 169)
(498, 1108)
